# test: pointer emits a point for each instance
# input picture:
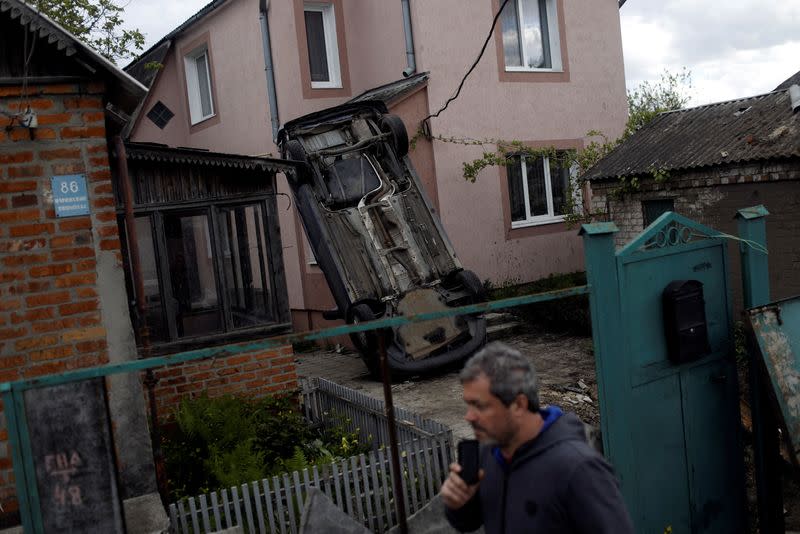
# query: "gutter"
(269, 70)
(410, 58)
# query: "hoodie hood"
(558, 427)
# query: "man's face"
(490, 418)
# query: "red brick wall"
(254, 374)
(49, 307)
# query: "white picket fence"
(361, 485)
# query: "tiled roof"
(393, 91)
(164, 154)
(749, 129)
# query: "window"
(530, 36)
(537, 190)
(653, 209)
(198, 85)
(207, 272)
(160, 114)
(323, 49)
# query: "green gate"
(671, 430)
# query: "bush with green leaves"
(220, 442)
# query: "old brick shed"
(64, 276)
(706, 163)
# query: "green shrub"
(225, 441)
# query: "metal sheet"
(777, 330)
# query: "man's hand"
(455, 492)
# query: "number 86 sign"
(69, 195)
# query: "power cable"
(474, 64)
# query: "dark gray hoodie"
(555, 483)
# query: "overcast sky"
(733, 48)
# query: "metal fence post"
(611, 363)
(766, 448)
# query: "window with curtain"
(198, 85)
(537, 190)
(530, 35)
(323, 48)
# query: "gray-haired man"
(538, 474)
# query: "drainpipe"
(412, 61)
(144, 332)
(269, 70)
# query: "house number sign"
(69, 195)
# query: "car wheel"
(472, 284)
(293, 150)
(366, 342)
(394, 125)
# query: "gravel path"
(565, 365)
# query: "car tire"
(293, 150)
(472, 284)
(366, 342)
(394, 125)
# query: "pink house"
(551, 72)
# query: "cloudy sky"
(732, 48)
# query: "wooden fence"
(361, 486)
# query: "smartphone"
(468, 460)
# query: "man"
(538, 474)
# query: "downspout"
(412, 61)
(269, 70)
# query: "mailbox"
(685, 321)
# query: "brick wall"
(254, 374)
(712, 197)
(49, 307)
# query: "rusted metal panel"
(776, 327)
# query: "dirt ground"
(565, 365)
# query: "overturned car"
(374, 236)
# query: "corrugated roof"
(748, 129)
(40, 24)
(164, 154)
(393, 91)
(790, 81)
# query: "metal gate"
(671, 430)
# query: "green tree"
(649, 99)
(98, 23)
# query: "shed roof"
(393, 91)
(128, 90)
(737, 131)
(164, 154)
(790, 81)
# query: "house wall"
(712, 197)
(62, 294)
(538, 108)
(541, 108)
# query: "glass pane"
(154, 307)
(653, 209)
(246, 265)
(205, 86)
(559, 182)
(515, 192)
(536, 186)
(317, 53)
(532, 36)
(509, 22)
(191, 264)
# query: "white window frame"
(193, 84)
(552, 30)
(550, 217)
(331, 45)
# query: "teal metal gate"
(670, 430)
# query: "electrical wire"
(474, 64)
